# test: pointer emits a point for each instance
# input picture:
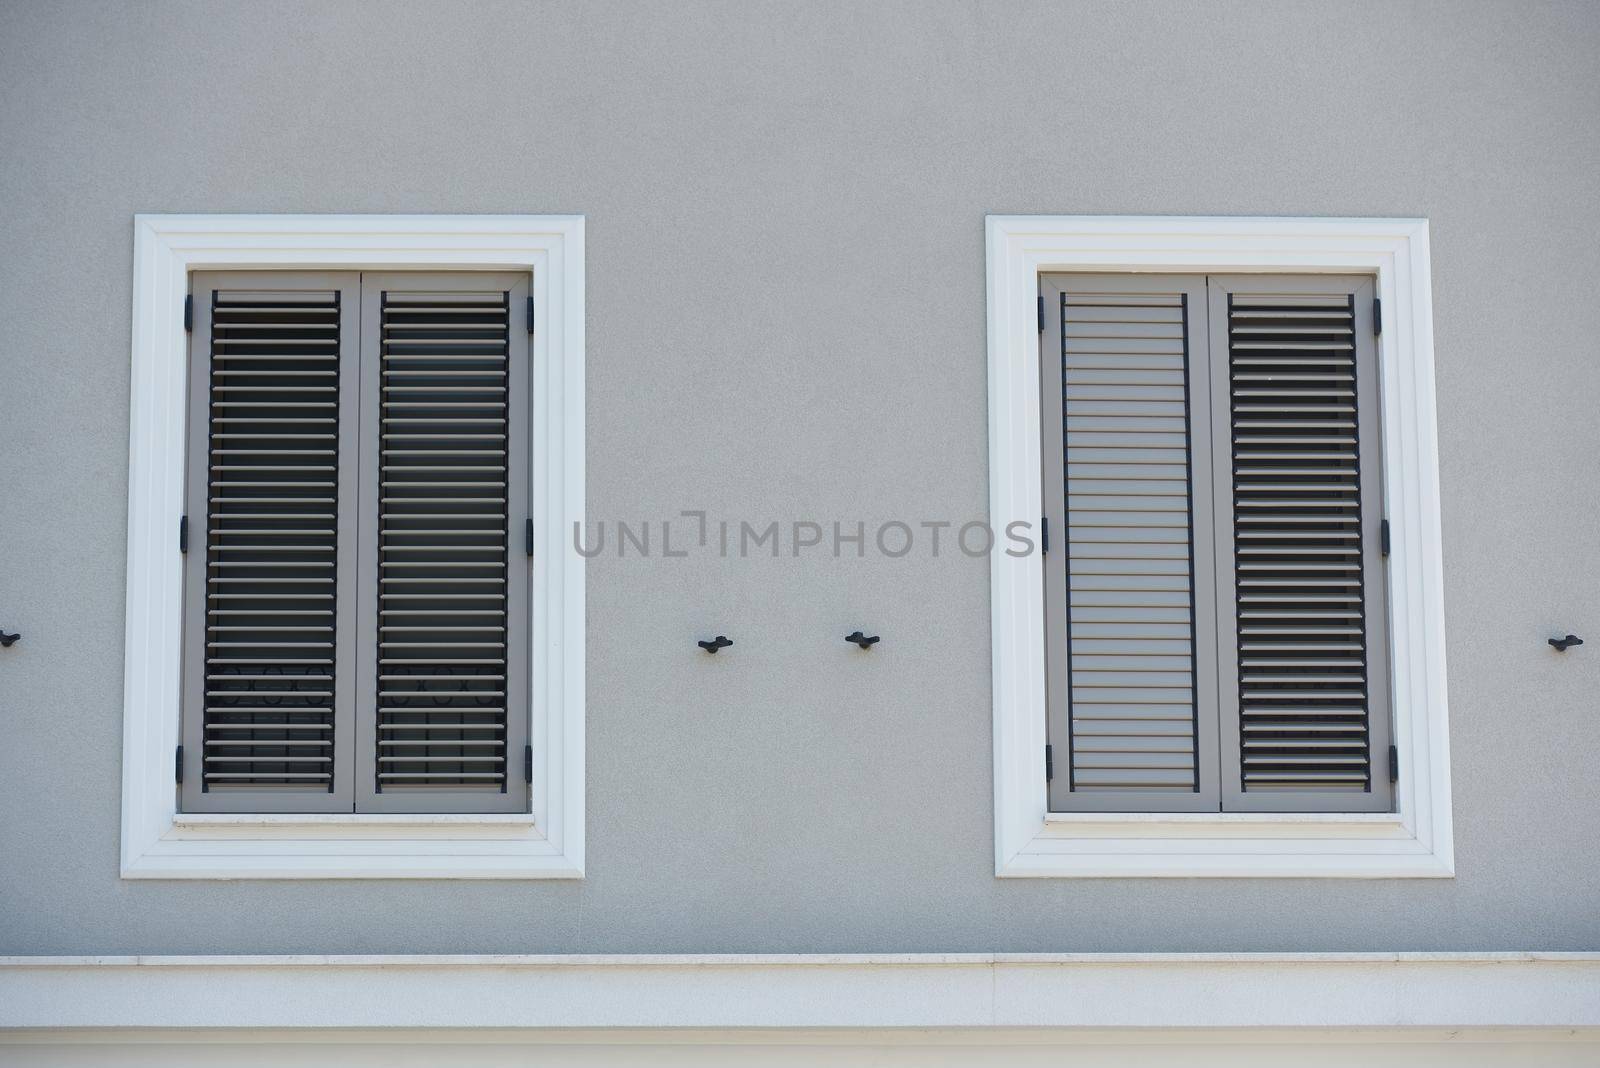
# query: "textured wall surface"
(786, 321)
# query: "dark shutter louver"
(449, 574)
(1307, 607)
(266, 487)
(1124, 655)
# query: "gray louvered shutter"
(443, 700)
(271, 473)
(1304, 711)
(1128, 612)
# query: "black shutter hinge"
(188, 313)
(527, 764)
(1377, 316)
(530, 315)
(1041, 313)
(1044, 533)
(183, 533)
(1049, 764)
(1394, 763)
(177, 765)
(1383, 537)
(527, 536)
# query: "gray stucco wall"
(785, 208)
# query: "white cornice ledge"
(1073, 991)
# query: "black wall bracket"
(722, 641)
(862, 640)
(1561, 645)
(8, 640)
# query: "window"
(355, 604)
(1240, 611)
(1214, 613)
(369, 673)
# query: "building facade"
(795, 326)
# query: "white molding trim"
(1415, 841)
(158, 842)
(948, 992)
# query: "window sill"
(1236, 823)
(347, 819)
(1225, 845)
(350, 846)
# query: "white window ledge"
(1030, 841)
(546, 842)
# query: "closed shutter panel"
(1131, 705)
(1304, 710)
(444, 699)
(266, 703)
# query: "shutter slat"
(271, 540)
(1297, 501)
(443, 542)
(1130, 660)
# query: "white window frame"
(1415, 841)
(159, 842)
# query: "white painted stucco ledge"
(1073, 991)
